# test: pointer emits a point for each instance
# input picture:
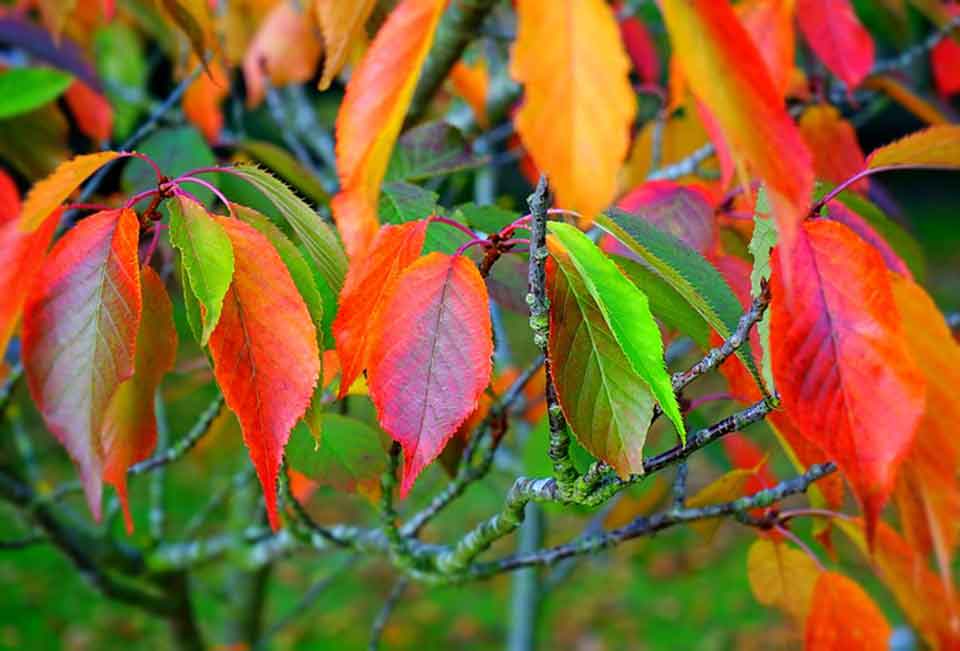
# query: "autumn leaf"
(194, 20)
(770, 25)
(202, 98)
(684, 211)
(838, 351)
(284, 50)
(21, 257)
(472, 83)
(936, 147)
(607, 404)
(843, 616)
(372, 114)
(945, 65)
(833, 31)
(206, 256)
(838, 212)
(927, 493)
(640, 47)
(130, 424)
(92, 111)
(578, 105)
(833, 142)
(782, 577)
(725, 488)
(265, 354)
(79, 335)
(368, 286)
(426, 377)
(49, 193)
(341, 23)
(727, 74)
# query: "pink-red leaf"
(265, 353)
(130, 424)
(683, 211)
(844, 617)
(372, 113)
(832, 30)
(431, 361)
(838, 353)
(79, 335)
(368, 285)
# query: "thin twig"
(380, 623)
(184, 445)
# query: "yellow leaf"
(934, 147)
(782, 577)
(578, 105)
(50, 192)
(372, 113)
(726, 488)
(341, 22)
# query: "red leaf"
(367, 286)
(683, 211)
(770, 25)
(745, 454)
(130, 424)
(945, 61)
(838, 355)
(843, 617)
(9, 198)
(265, 353)
(641, 48)
(838, 212)
(832, 30)
(92, 110)
(431, 361)
(79, 335)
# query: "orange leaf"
(130, 424)
(844, 617)
(782, 576)
(907, 98)
(427, 376)
(833, 142)
(727, 74)
(80, 332)
(372, 113)
(21, 256)
(92, 111)
(50, 192)
(369, 284)
(472, 83)
(928, 493)
(934, 147)
(265, 353)
(341, 22)
(770, 25)
(201, 100)
(578, 105)
(286, 49)
(833, 31)
(838, 351)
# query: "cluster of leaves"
(294, 315)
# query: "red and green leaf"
(431, 360)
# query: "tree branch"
(184, 445)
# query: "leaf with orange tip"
(578, 105)
(838, 351)
(372, 114)
(130, 424)
(92, 111)
(79, 335)
(728, 75)
(21, 256)
(265, 354)
(427, 376)
(928, 493)
(833, 142)
(843, 617)
(50, 192)
(936, 147)
(367, 288)
(770, 25)
(341, 22)
(201, 101)
(782, 576)
(833, 31)
(285, 49)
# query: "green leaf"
(405, 202)
(206, 255)
(608, 405)
(429, 150)
(695, 279)
(25, 89)
(626, 310)
(349, 455)
(118, 53)
(289, 168)
(763, 240)
(176, 151)
(487, 219)
(319, 240)
(665, 302)
(299, 269)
